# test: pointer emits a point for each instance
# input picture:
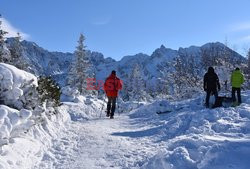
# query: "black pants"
(111, 106)
(208, 96)
(234, 89)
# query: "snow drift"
(17, 87)
(26, 129)
(196, 137)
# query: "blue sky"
(125, 27)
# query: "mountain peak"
(163, 47)
(213, 44)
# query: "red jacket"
(112, 85)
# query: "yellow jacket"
(237, 79)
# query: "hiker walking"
(237, 79)
(111, 86)
(211, 84)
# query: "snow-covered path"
(188, 137)
(100, 143)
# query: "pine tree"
(125, 88)
(186, 75)
(49, 91)
(226, 55)
(205, 60)
(78, 72)
(162, 87)
(2, 42)
(17, 53)
(210, 56)
(137, 84)
(248, 63)
(178, 75)
(164, 81)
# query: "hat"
(210, 69)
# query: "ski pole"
(118, 107)
(98, 98)
(102, 106)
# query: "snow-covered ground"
(79, 135)
(202, 138)
(187, 137)
(26, 147)
(25, 133)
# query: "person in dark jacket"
(211, 84)
(111, 86)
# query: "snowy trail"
(189, 137)
(100, 143)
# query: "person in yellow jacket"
(237, 79)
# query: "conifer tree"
(226, 55)
(49, 91)
(248, 63)
(137, 84)
(17, 53)
(78, 72)
(2, 43)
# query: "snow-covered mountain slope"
(190, 136)
(55, 64)
(152, 66)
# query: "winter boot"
(108, 114)
(235, 104)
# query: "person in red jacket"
(111, 86)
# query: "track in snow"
(100, 143)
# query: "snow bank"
(196, 137)
(69, 94)
(86, 108)
(27, 141)
(24, 134)
(12, 121)
(15, 86)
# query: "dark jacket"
(211, 80)
(112, 85)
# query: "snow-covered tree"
(187, 74)
(248, 63)
(210, 56)
(1, 42)
(49, 91)
(79, 68)
(178, 76)
(204, 58)
(17, 53)
(162, 87)
(125, 88)
(227, 53)
(163, 81)
(136, 84)
(3, 53)
(150, 88)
